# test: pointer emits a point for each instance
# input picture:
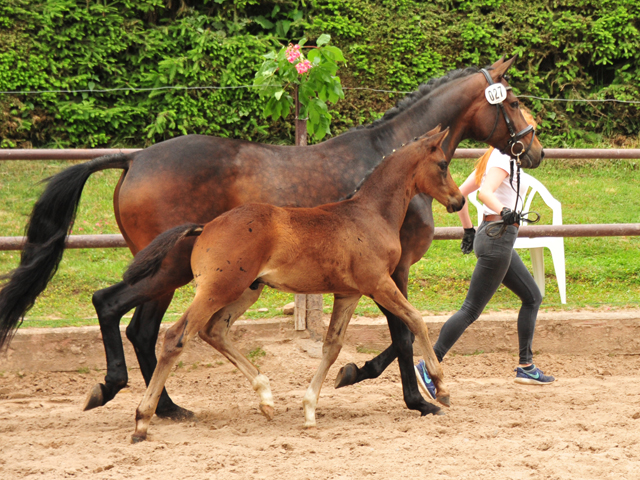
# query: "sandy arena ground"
(586, 426)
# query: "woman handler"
(497, 263)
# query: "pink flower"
(293, 53)
(303, 66)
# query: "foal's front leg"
(388, 295)
(216, 335)
(343, 308)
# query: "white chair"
(536, 245)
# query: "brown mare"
(349, 248)
(197, 178)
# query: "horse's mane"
(423, 90)
(408, 101)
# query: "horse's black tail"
(149, 260)
(46, 231)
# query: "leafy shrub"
(568, 49)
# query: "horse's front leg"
(343, 308)
(216, 335)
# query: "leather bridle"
(515, 140)
(497, 228)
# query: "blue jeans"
(497, 263)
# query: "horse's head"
(497, 119)
(433, 176)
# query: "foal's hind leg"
(388, 295)
(215, 334)
(142, 332)
(176, 337)
(343, 308)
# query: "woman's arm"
(468, 186)
(495, 176)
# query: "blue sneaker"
(533, 376)
(424, 380)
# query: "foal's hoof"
(268, 411)
(347, 375)
(95, 398)
(444, 401)
(135, 438)
(176, 413)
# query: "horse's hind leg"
(142, 332)
(391, 299)
(111, 304)
(215, 334)
(176, 337)
(343, 308)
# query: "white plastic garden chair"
(536, 245)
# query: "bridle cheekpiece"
(496, 94)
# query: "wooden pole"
(307, 312)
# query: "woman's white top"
(505, 193)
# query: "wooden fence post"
(307, 312)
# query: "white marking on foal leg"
(261, 385)
(309, 403)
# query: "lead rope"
(496, 229)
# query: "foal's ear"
(435, 141)
(434, 131)
(439, 137)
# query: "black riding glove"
(467, 240)
(509, 217)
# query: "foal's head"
(498, 120)
(433, 176)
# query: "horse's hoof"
(176, 413)
(347, 375)
(444, 401)
(95, 398)
(138, 438)
(309, 426)
(429, 409)
(268, 411)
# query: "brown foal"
(348, 248)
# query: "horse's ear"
(501, 69)
(499, 62)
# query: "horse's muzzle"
(455, 205)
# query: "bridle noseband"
(515, 140)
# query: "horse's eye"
(443, 165)
(515, 104)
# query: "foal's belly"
(309, 280)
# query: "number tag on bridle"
(495, 93)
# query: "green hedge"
(568, 49)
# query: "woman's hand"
(467, 240)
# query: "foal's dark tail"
(46, 231)
(149, 260)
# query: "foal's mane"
(423, 90)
